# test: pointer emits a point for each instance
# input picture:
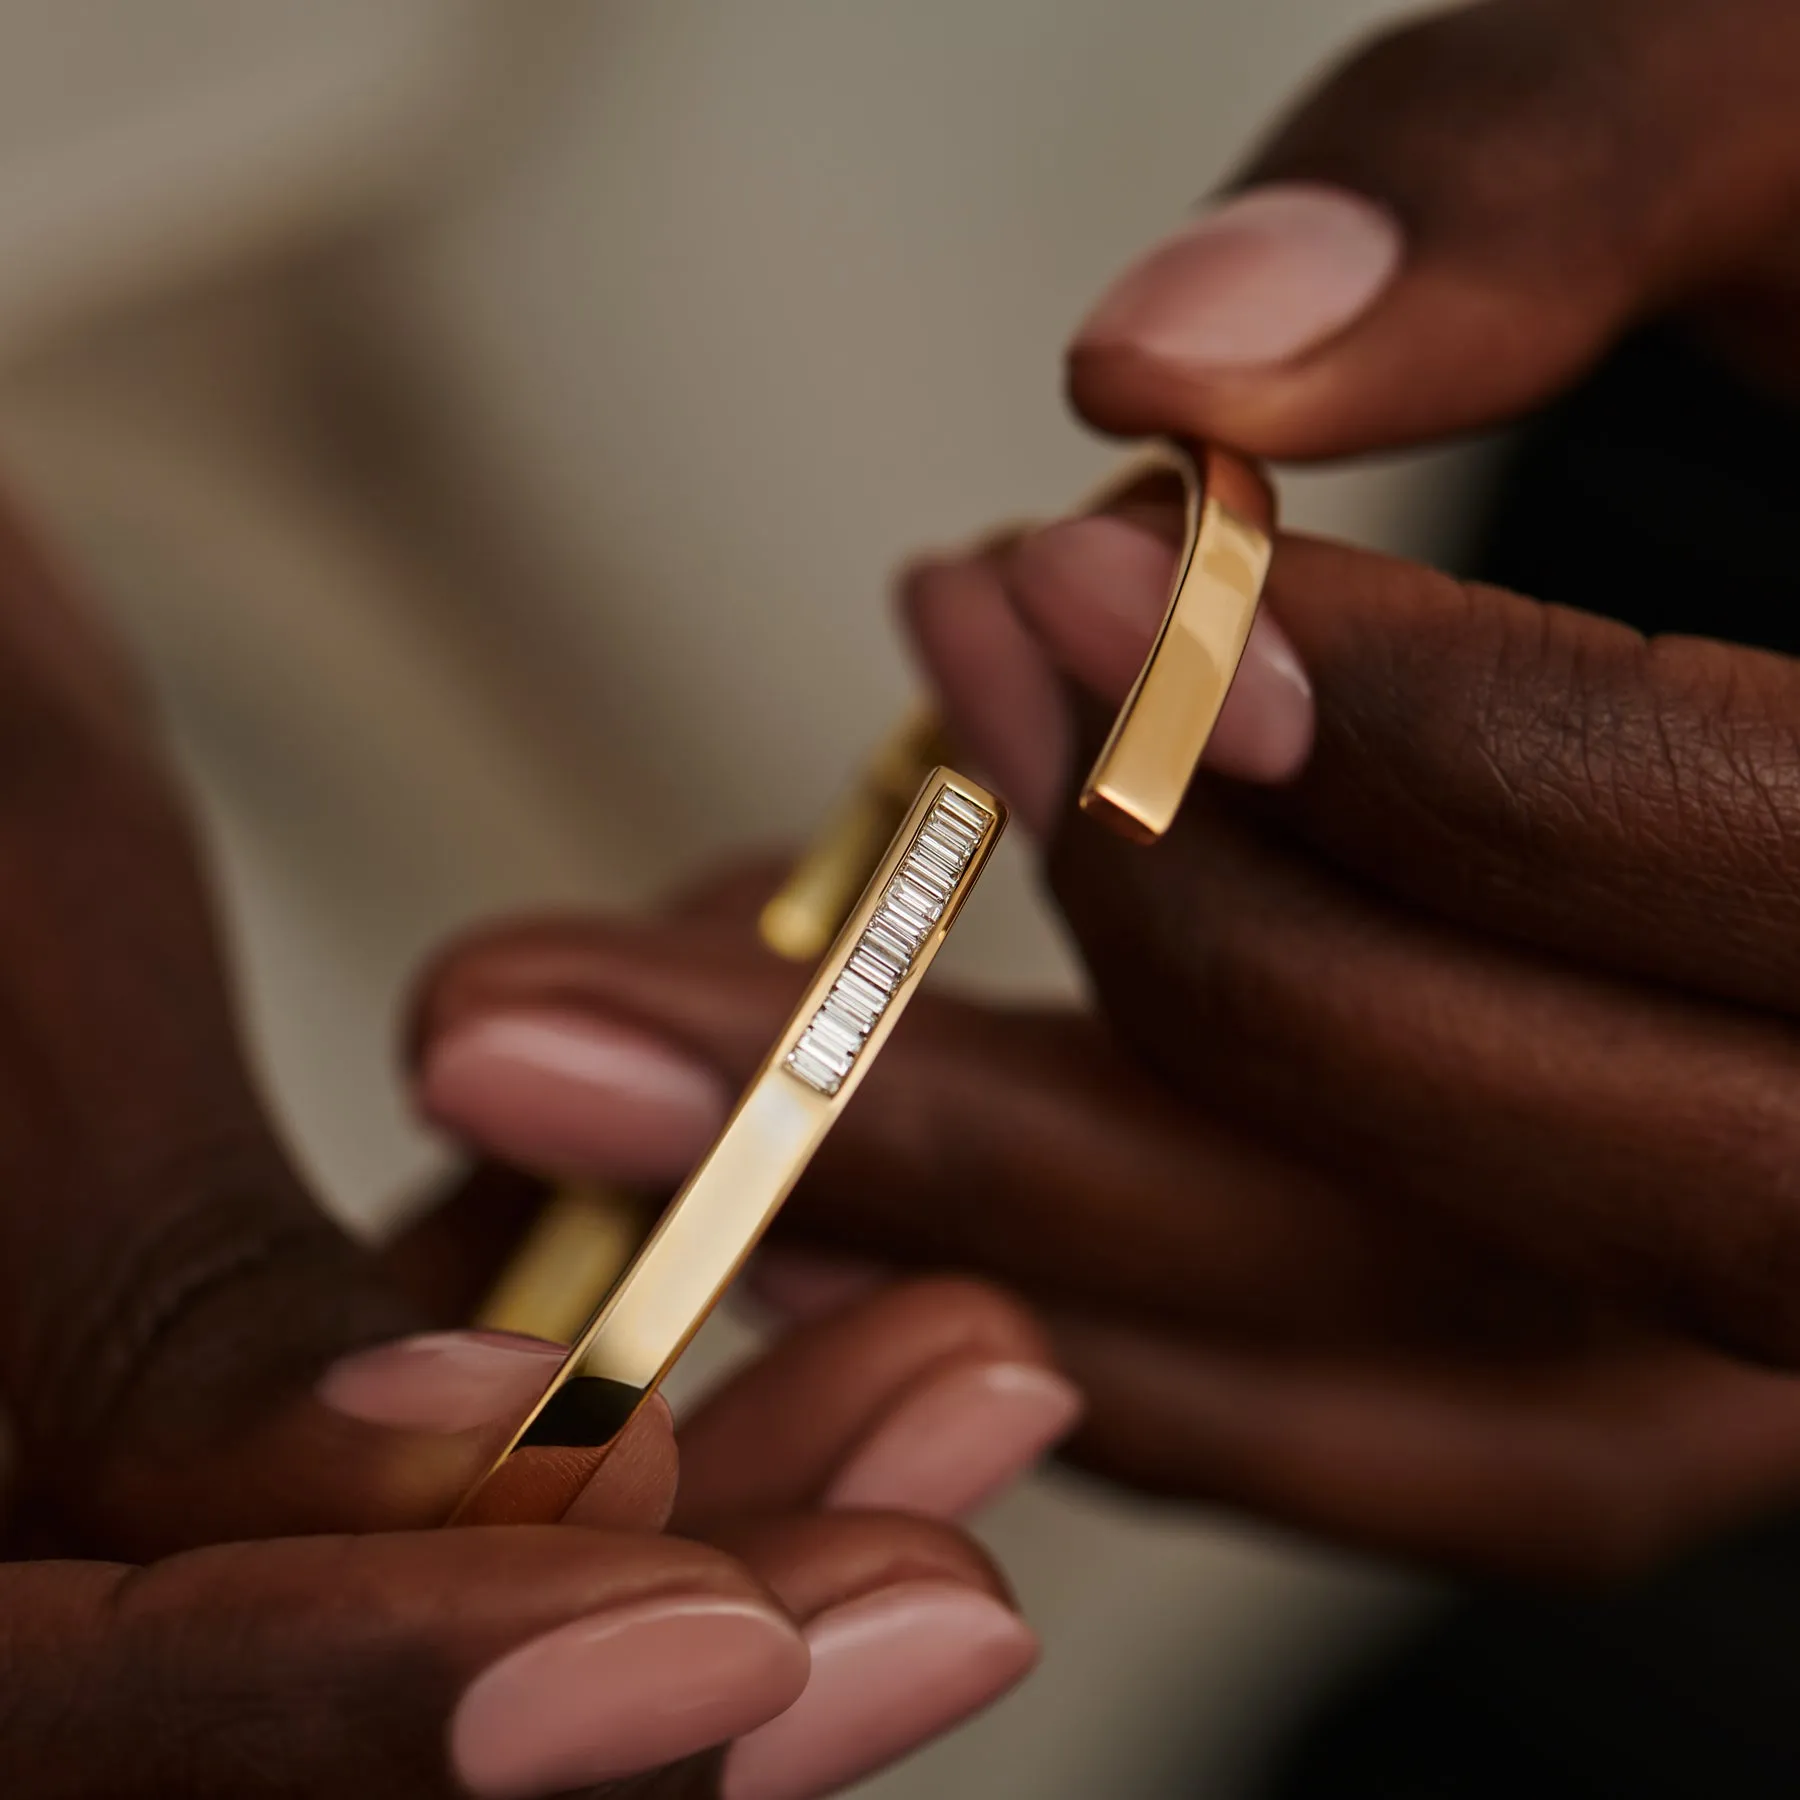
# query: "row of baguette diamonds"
(904, 918)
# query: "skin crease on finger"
(1359, 620)
(1070, 590)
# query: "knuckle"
(1542, 741)
(221, 1279)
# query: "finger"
(533, 1073)
(1459, 221)
(910, 1632)
(1540, 774)
(1567, 1117)
(1551, 781)
(443, 1404)
(445, 1256)
(983, 1140)
(928, 1398)
(502, 1664)
(997, 689)
(169, 1292)
(508, 1054)
(996, 653)
(1549, 776)
(1596, 1464)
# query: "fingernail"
(958, 1439)
(889, 1671)
(440, 1380)
(623, 1692)
(1258, 280)
(998, 691)
(801, 1285)
(1265, 728)
(1096, 589)
(566, 1093)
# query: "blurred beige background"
(496, 425)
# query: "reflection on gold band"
(814, 1067)
(1143, 772)
(574, 1254)
(570, 1257)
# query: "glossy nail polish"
(1259, 280)
(622, 1692)
(571, 1093)
(1000, 693)
(889, 1672)
(440, 1380)
(1095, 590)
(958, 1439)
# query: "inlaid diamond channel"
(905, 916)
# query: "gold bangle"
(573, 1254)
(1144, 770)
(577, 1246)
(854, 1000)
(565, 1263)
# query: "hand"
(1431, 1172)
(1462, 219)
(1428, 1177)
(250, 1426)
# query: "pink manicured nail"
(1095, 590)
(889, 1671)
(800, 1285)
(1258, 280)
(1265, 729)
(622, 1692)
(958, 1439)
(567, 1093)
(440, 1380)
(998, 690)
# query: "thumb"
(425, 1666)
(1460, 220)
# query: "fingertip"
(572, 1093)
(623, 1692)
(890, 1670)
(957, 1439)
(1094, 589)
(1266, 726)
(1259, 279)
(1097, 588)
(999, 695)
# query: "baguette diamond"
(905, 916)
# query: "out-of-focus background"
(496, 425)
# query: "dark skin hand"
(1425, 1175)
(222, 1575)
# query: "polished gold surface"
(569, 1259)
(813, 1068)
(586, 1234)
(572, 1257)
(1142, 773)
